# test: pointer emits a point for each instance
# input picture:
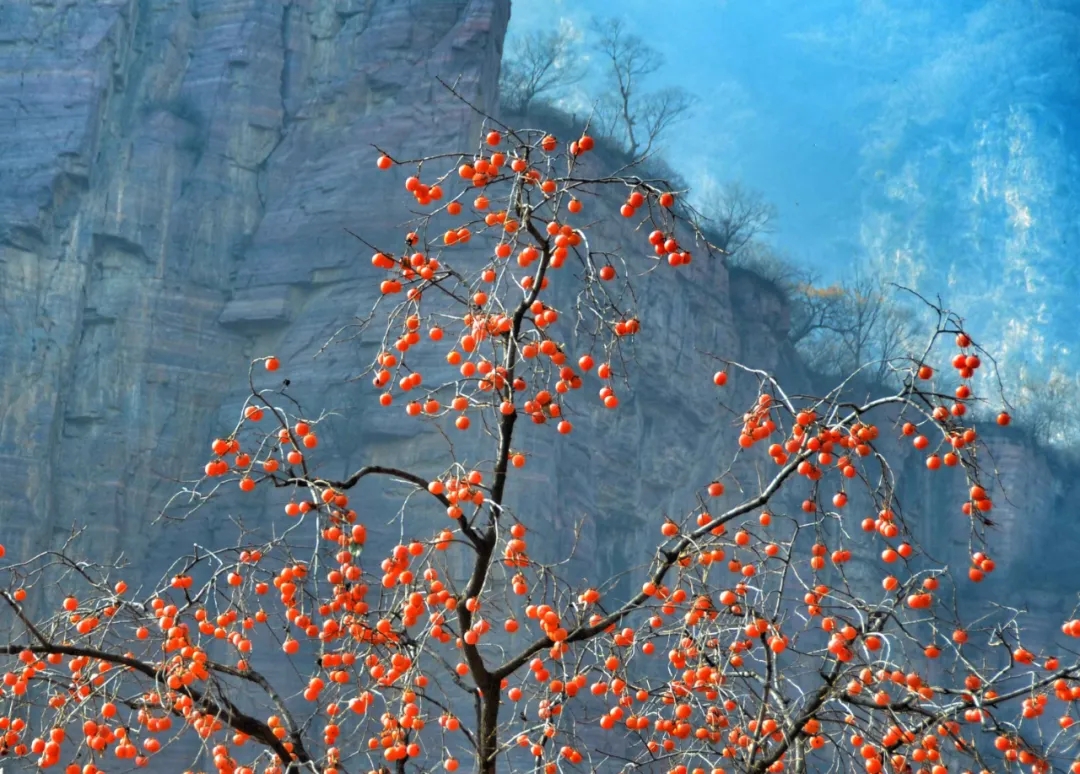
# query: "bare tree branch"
(536, 63)
(735, 216)
(636, 118)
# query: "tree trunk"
(488, 741)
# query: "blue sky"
(751, 78)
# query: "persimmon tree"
(788, 621)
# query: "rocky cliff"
(176, 187)
(175, 181)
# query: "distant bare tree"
(814, 309)
(535, 64)
(658, 110)
(857, 323)
(635, 118)
(1040, 398)
(762, 259)
(735, 215)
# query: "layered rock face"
(175, 183)
(175, 203)
(173, 189)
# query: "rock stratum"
(176, 191)
(174, 183)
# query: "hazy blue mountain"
(940, 139)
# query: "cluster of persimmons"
(750, 646)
